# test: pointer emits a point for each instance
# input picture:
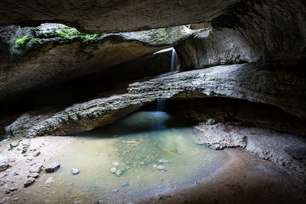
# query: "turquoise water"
(129, 161)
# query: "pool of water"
(141, 156)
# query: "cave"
(138, 101)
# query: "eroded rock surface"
(111, 16)
(250, 31)
(35, 57)
(275, 30)
(266, 144)
(248, 82)
(215, 47)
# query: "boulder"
(52, 167)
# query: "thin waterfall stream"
(161, 102)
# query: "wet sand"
(126, 163)
(243, 179)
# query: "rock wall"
(215, 47)
(250, 31)
(274, 29)
(52, 53)
(110, 15)
(248, 82)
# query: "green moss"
(24, 41)
(68, 33)
(21, 42)
(89, 37)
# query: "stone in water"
(75, 171)
(52, 167)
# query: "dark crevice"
(237, 111)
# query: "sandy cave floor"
(161, 166)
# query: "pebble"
(4, 165)
(75, 171)
(24, 148)
(29, 182)
(113, 170)
(13, 145)
(36, 154)
(11, 189)
(52, 167)
(118, 172)
(29, 159)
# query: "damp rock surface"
(238, 81)
(266, 144)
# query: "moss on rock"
(67, 33)
(21, 42)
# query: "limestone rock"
(52, 167)
(75, 171)
(250, 82)
(265, 25)
(36, 57)
(219, 136)
(4, 164)
(112, 16)
(215, 47)
(29, 181)
(266, 144)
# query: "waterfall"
(173, 67)
(173, 63)
(161, 102)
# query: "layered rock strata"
(249, 82)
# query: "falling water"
(161, 103)
(173, 67)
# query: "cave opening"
(153, 102)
